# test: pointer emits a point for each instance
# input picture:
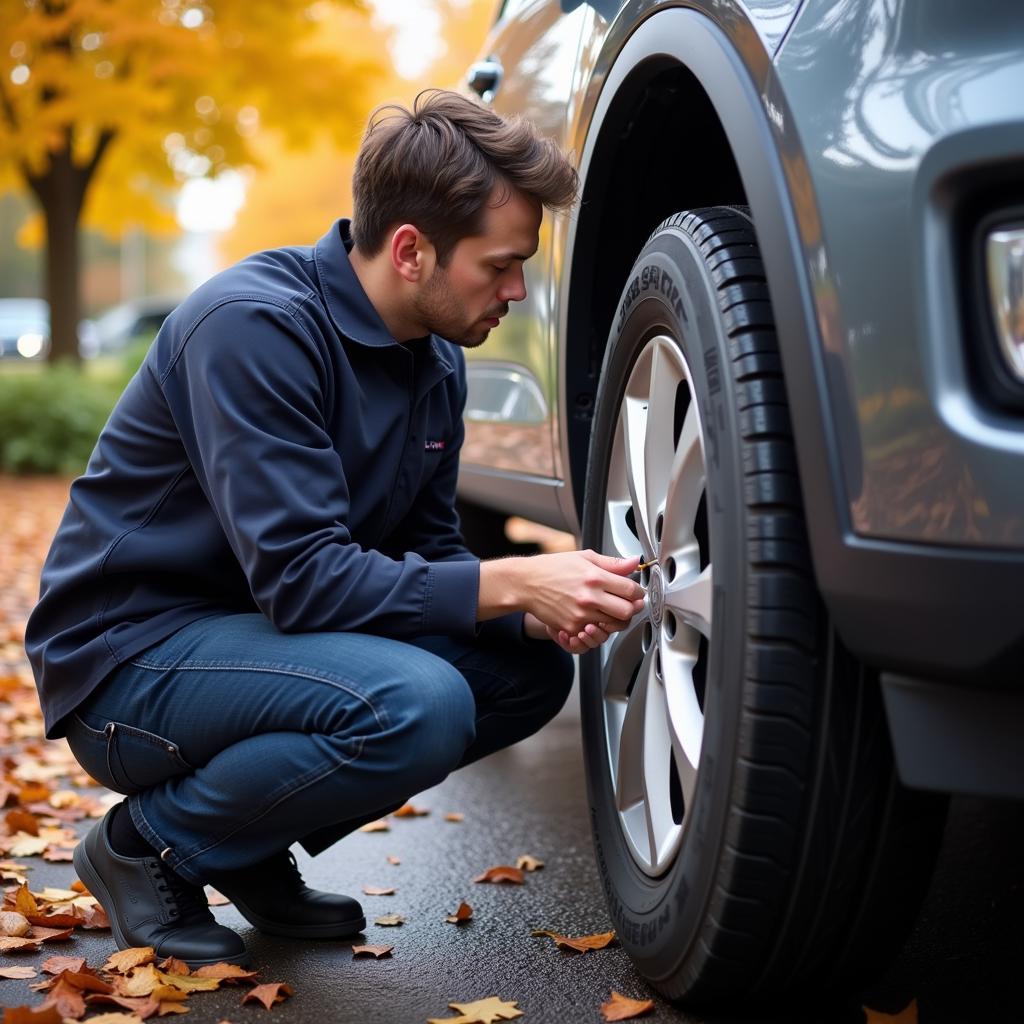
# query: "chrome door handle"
(484, 78)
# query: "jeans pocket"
(123, 757)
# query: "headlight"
(1004, 255)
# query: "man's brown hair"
(437, 165)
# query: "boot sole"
(331, 930)
(92, 881)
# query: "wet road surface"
(961, 964)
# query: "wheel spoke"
(686, 482)
(658, 451)
(658, 750)
(686, 720)
(620, 654)
(629, 759)
(634, 425)
(618, 537)
(691, 599)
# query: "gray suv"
(778, 349)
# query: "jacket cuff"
(506, 629)
(449, 607)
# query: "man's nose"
(513, 289)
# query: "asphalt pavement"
(960, 965)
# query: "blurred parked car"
(24, 329)
(123, 324)
(778, 351)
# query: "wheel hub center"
(656, 595)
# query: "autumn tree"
(106, 106)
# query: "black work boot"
(272, 896)
(150, 905)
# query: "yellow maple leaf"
(483, 1011)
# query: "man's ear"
(412, 255)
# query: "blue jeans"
(233, 740)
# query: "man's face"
(464, 300)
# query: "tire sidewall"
(669, 291)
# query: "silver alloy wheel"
(652, 673)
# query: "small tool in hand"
(645, 565)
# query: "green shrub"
(50, 416)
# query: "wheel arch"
(676, 64)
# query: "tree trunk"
(60, 191)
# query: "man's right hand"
(566, 591)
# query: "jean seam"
(304, 783)
(237, 667)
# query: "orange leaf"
(394, 860)
(21, 821)
(374, 951)
(269, 994)
(125, 959)
(581, 944)
(67, 999)
(24, 901)
(908, 1015)
(32, 1015)
(40, 934)
(376, 890)
(454, 816)
(619, 1007)
(172, 965)
(380, 825)
(56, 964)
(463, 913)
(408, 811)
(56, 854)
(390, 920)
(501, 873)
(483, 1011)
(215, 898)
(31, 793)
(225, 972)
(9, 944)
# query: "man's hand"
(566, 592)
(590, 638)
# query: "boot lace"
(184, 901)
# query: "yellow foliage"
(292, 199)
(173, 89)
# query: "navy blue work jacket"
(277, 451)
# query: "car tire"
(749, 829)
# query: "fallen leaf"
(116, 1018)
(166, 1008)
(20, 973)
(408, 811)
(84, 979)
(66, 998)
(172, 965)
(79, 887)
(24, 845)
(139, 1006)
(390, 920)
(394, 860)
(376, 890)
(189, 983)
(24, 902)
(56, 964)
(582, 944)
(21, 821)
(32, 1015)
(13, 923)
(501, 873)
(56, 854)
(40, 934)
(125, 959)
(140, 982)
(269, 994)
(483, 1011)
(10, 944)
(908, 1015)
(619, 1007)
(225, 972)
(528, 863)
(463, 913)
(374, 951)
(381, 825)
(216, 899)
(454, 816)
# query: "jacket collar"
(351, 310)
